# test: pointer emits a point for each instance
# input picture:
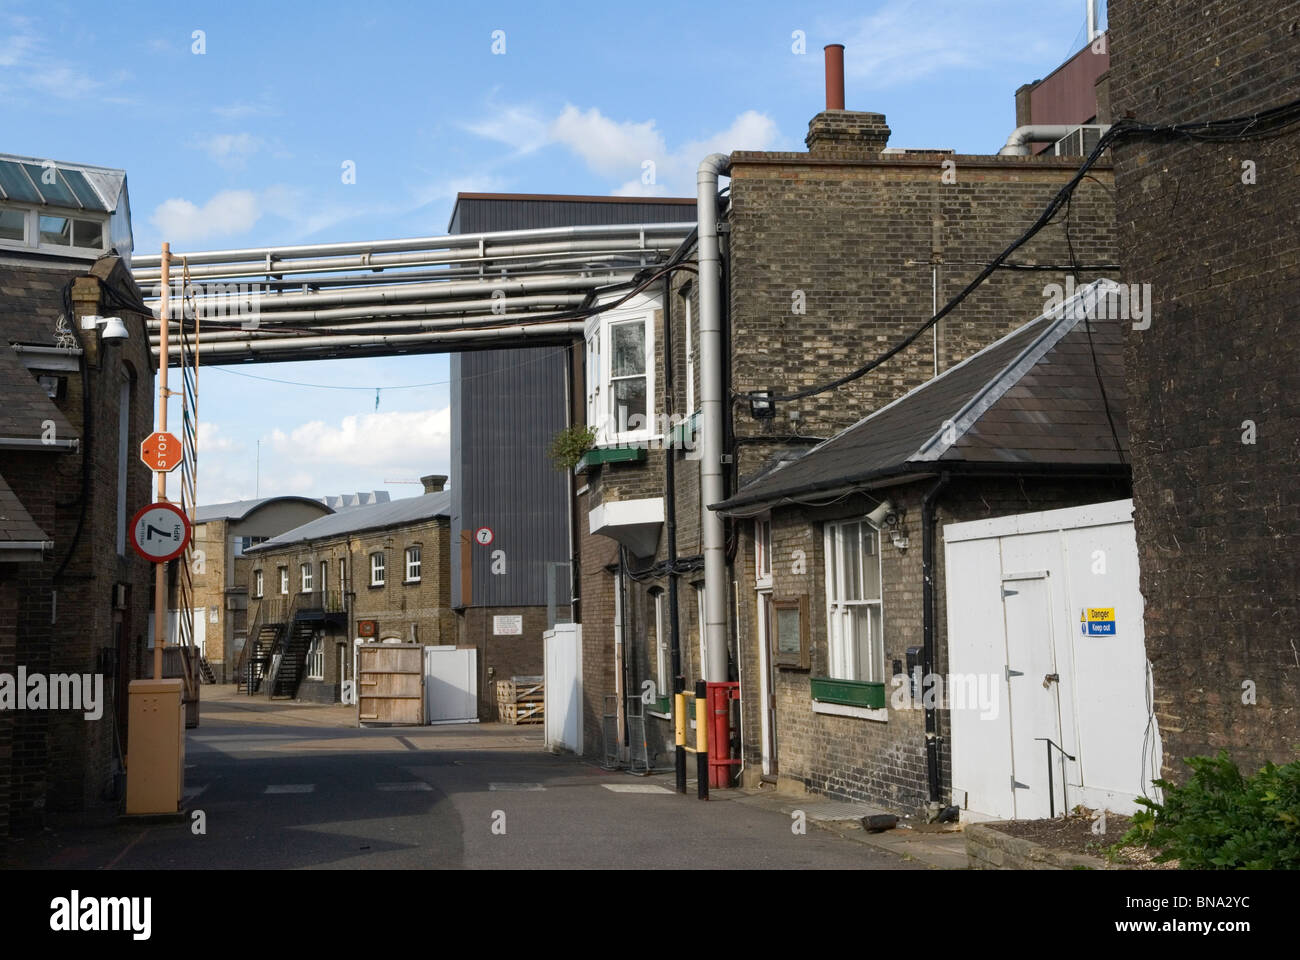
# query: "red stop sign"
(161, 451)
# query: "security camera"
(882, 514)
(114, 328)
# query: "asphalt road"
(291, 788)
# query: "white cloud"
(447, 188)
(24, 54)
(212, 439)
(635, 149)
(607, 146)
(241, 109)
(519, 127)
(402, 445)
(18, 43)
(229, 149)
(228, 212)
(907, 40)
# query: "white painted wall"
(562, 660)
(1016, 587)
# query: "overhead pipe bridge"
(387, 297)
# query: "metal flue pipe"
(711, 415)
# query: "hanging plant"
(569, 445)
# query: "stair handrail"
(250, 642)
(281, 638)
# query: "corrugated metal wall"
(506, 405)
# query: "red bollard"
(719, 700)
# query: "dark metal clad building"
(506, 405)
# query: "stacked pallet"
(520, 700)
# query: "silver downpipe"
(711, 416)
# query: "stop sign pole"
(160, 569)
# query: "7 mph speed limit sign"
(160, 532)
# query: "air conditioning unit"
(1080, 143)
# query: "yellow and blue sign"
(1097, 621)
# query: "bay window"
(620, 377)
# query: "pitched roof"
(1032, 397)
(358, 519)
(76, 186)
(16, 524)
(24, 406)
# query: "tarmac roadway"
(297, 786)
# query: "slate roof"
(359, 519)
(1030, 398)
(31, 301)
(24, 405)
(16, 524)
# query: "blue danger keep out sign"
(1097, 621)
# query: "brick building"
(830, 257)
(385, 565)
(833, 613)
(1212, 381)
(76, 399)
(223, 531)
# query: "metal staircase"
(274, 658)
(289, 664)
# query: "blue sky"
(243, 145)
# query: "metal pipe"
(1017, 144)
(711, 413)
(370, 262)
(934, 776)
(432, 290)
(834, 76)
(264, 325)
(295, 344)
(1092, 19)
(449, 241)
(160, 576)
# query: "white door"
(1032, 695)
(562, 716)
(450, 685)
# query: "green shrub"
(568, 446)
(1220, 820)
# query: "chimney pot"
(834, 76)
(434, 482)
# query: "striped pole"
(679, 729)
(702, 738)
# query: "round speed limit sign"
(483, 535)
(160, 532)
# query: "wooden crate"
(520, 690)
(521, 713)
(520, 700)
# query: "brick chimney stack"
(434, 482)
(839, 134)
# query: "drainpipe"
(933, 772)
(711, 413)
(670, 495)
